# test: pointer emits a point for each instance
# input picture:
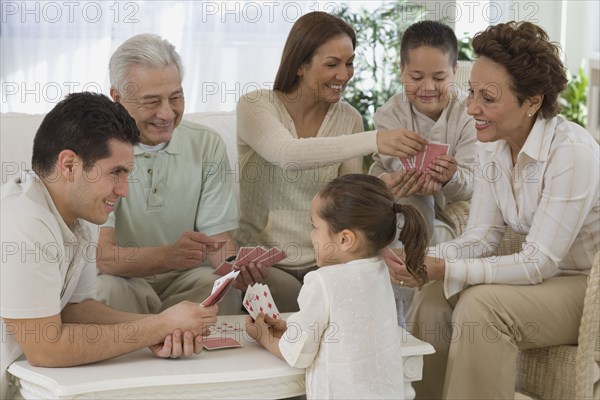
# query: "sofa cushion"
(16, 140)
(17, 131)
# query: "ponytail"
(413, 236)
(364, 203)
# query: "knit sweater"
(280, 173)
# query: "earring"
(529, 115)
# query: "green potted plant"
(377, 64)
(573, 99)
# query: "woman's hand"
(399, 274)
(400, 143)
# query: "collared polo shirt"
(186, 186)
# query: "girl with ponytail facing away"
(346, 332)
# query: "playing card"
(220, 343)
(389, 253)
(220, 288)
(419, 159)
(271, 257)
(246, 256)
(434, 150)
(248, 303)
(224, 268)
(224, 327)
(219, 243)
(258, 299)
(267, 304)
(408, 163)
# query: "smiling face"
(331, 67)
(92, 193)
(427, 76)
(154, 98)
(497, 112)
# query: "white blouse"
(346, 333)
(552, 195)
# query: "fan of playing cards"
(230, 270)
(258, 300)
(220, 289)
(247, 255)
(422, 160)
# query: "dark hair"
(531, 60)
(432, 34)
(308, 33)
(364, 203)
(84, 123)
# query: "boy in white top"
(82, 155)
(432, 106)
(346, 332)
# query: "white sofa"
(18, 130)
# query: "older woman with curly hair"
(537, 174)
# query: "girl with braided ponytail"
(346, 332)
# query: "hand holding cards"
(422, 160)
(258, 299)
(220, 288)
(247, 255)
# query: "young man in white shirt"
(82, 156)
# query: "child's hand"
(429, 186)
(403, 183)
(265, 328)
(442, 169)
(277, 326)
(266, 331)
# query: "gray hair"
(145, 49)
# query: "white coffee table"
(250, 372)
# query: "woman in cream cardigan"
(295, 138)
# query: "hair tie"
(397, 207)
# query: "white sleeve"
(301, 341)
(31, 281)
(259, 127)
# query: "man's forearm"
(60, 344)
(132, 262)
(95, 312)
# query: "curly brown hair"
(531, 60)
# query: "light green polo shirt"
(186, 186)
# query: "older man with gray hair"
(161, 244)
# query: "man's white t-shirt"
(45, 264)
